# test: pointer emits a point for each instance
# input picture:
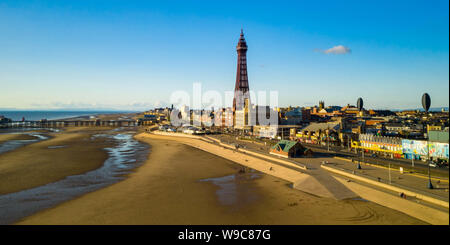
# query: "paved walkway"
(320, 181)
(406, 181)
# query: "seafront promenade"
(315, 177)
(407, 180)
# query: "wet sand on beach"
(174, 187)
(6, 137)
(69, 152)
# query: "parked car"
(163, 127)
(189, 130)
(199, 131)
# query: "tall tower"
(321, 105)
(241, 89)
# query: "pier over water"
(73, 123)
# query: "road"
(419, 166)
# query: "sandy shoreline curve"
(7, 137)
(38, 163)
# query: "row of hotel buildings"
(387, 133)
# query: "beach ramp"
(320, 183)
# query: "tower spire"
(241, 88)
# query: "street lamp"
(360, 104)
(328, 138)
(426, 102)
(348, 142)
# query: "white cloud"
(340, 49)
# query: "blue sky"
(134, 54)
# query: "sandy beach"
(6, 137)
(67, 153)
(170, 188)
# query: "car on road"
(163, 127)
(182, 128)
(439, 164)
(189, 130)
(199, 131)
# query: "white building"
(255, 115)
